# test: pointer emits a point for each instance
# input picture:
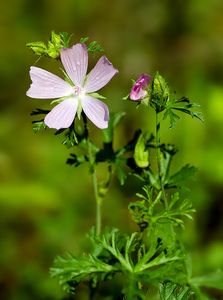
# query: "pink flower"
(46, 85)
(138, 90)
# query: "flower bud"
(39, 48)
(141, 154)
(159, 93)
(138, 91)
(56, 39)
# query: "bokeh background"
(46, 206)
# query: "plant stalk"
(95, 187)
(98, 204)
(159, 158)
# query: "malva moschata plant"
(150, 263)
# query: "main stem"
(95, 187)
(159, 157)
(98, 204)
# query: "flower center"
(77, 90)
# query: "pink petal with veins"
(138, 90)
(63, 114)
(46, 85)
(75, 62)
(96, 111)
(100, 75)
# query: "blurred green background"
(45, 209)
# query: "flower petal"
(46, 85)
(96, 110)
(75, 62)
(62, 115)
(100, 75)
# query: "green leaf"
(114, 120)
(76, 160)
(70, 138)
(65, 38)
(173, 291)
(92, 46)
(71, 271)
(178, 179)
(176, 209)
(95, 47)
(173, 118)
(38, 126)
(120, 171)
(113, 254)
(83, 40)
(141, 210)
(121, 247)
(183, 105)
(38, 111)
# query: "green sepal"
(98, 96)
(127, 97)
(57, 101)
(79, 109)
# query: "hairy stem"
(159, 157)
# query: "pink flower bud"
(138, 90)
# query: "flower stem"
(98, 204)
(159, 157)
(95, 187)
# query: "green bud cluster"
(53, 47)
(158, 93)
